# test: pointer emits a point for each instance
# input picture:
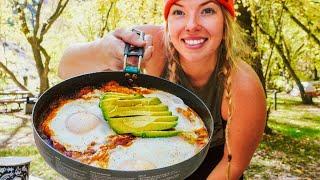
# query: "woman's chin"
(194, 58)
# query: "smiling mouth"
(191, 42)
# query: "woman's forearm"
(80, 58)
(220, 171)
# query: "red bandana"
(228, 4)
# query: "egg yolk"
(82, 122)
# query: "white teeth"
(194, 42)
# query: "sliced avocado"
(152, 110)
(123, 126)
(144, 126)
(160, 107)
(118, 113)
(155, 134)
(148, 118)
(121, 96)
(131, 102)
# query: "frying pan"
(73, 169)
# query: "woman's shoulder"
(244, 78)
(247, 92)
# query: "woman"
(199, 39)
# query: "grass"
(295, 119)
(293, 149)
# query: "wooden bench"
(15, 93)
(313, 94)
(6, 102)
(12, 97)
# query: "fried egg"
(151, 153)
(78, 124)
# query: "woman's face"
(196, 29)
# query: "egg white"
(151, 153)
(78, 134)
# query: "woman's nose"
(192, 24)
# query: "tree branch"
(22, 17)
(13, 77)
(285, 45)
(105, 26)
(278, 28)
(36, 28)
(47, 25)
(296, 20)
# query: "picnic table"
(10, 98)
(22, 93)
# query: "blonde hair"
(232, 49)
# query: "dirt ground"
(15, 130)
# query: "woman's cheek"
(175, 30)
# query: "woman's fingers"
(148, 48)
(118, 48)
(129, 37)
(122, 36)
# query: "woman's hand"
(107, 53)
(113, 46)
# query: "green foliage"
(298, 45)
(84, 21)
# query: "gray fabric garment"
(211, 94)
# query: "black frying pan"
(72, 169)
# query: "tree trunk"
(14, 79)
(44, 83)
(302, 26)
(267, 129)
(43, 78)
(315, 74)
(305, 98)
(245, 21)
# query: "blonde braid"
(172, 67)
(172, 58)
(227, 74)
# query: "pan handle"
(131, 50)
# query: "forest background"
(283, 34)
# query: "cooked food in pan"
(120, 128)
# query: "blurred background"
(283, 34)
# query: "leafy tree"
(277, 31)
(34, 30)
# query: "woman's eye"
(208, 11)
(178, 12)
